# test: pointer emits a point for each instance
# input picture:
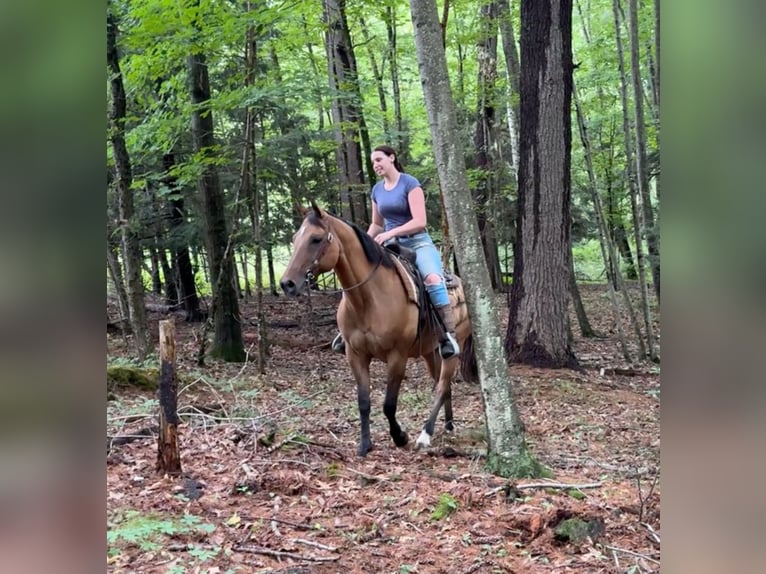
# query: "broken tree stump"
(168, 455)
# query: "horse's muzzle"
(290, 287)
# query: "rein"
(322, 250)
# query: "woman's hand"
(381, 238)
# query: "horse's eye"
(316, 240)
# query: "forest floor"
(271, 481)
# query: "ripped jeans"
(428, 261)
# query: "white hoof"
(424, 440)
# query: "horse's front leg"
(396, 369)
(360, 366)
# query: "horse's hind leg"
(396, 369)
(442, 396)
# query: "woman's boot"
(448, 347)
(338, 344)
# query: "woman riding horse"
(378, 316)
(399, 212)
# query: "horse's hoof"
(449, 426)
(402, 440)
(424, 440)
(363, 450)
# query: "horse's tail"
(468, 368)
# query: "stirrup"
(449, 347)
(338, 344)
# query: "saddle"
(406, 257)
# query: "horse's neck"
(353, 270)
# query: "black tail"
(468, 368)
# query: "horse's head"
(315, 251)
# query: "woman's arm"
(417, 201)
(376, 227)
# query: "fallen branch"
(282, 554)
(314, 544)
(556, 485)
(631, 553)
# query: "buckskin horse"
(379, 317)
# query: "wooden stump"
(168, 455)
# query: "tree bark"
(227, 343)
(537, 332)
(507, 451)
(131, 248)
(168, 453)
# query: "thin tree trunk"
(400, 138)
(507, 450)
(254, 201)
(652, 238)
(512, 70)
(582, 317)
(168, 453)
(131, 249)
(484, 138)
(637, 223)
(614, 274)
(377, 74)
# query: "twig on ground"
(652, 532)
(282, 554)
(557, 485)
(314, 544)
(631, 553)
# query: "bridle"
(328, 239)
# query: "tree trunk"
(582, 317)
(652, 238)
(512, 71)
(484, 139)
(254, 203)
(227, 343)
(507, 450)
(168, 453)
(537, 331)
(630, 165)
(184, 274)
(346, 111)
(131, 249)
(400, 139)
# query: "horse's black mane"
(372, 251)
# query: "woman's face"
(382, 163)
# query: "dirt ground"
(272, 482)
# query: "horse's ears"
(299, 209)
(316, 209)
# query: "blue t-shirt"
(392, 203)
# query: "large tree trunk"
(227, 343)
(346, 111)
(131, 249)
(507, 452)
(537, 331)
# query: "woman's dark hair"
(389, 151)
